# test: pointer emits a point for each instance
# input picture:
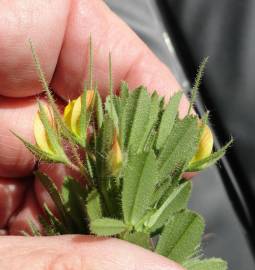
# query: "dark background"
(224, 30)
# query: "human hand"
(60, 31)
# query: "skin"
(60, 30)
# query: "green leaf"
(207, 162)
(180, 147)
(107, 226)
(181, 236)
(176, 201)
(120, 101)
(103, 146)
(160, 190)
(93, 206)
(134, 118)
(138, 186)
(74, 197)
(168, 119)
(153, 118)
(209, 264)
(54, 194)
(139, 238)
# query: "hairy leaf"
(138, 185)
(209, 264)
(107, 226)
(168, 119)
(74, 199)
(103, 146)
(93, 206)
(180, 147)
(139, 238)
(176, 201)
(181, 236)
(153, 118)
(135, 116)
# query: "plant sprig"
(133, 164)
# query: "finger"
(16, 115)
(21, 20)
(54, 253)
(29, 212)
(132, 60)
(11, 196)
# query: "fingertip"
(29, 212)
(11, 196)
(16, 115)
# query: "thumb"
(75, 252)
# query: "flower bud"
(72, 111)
(205, 145)
(40, 133)
(115, 156)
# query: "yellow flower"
(72, 111)
(205, 145)
(40, 134)
(115, 156)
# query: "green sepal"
(57, 115)
(38, 153)
(207, 162)
(181, 236)
(107, 226)
(83, 120)
(52, 135)
(197, 83)
(207, 264)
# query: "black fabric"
(221, 29)
(224, 30)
